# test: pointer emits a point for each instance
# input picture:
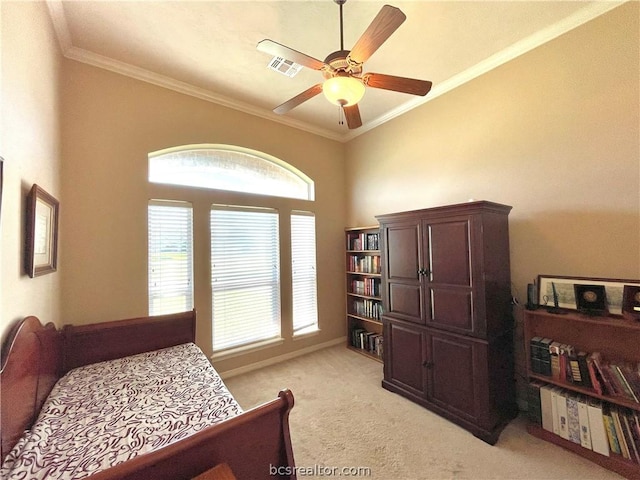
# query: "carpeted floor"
(343, 418)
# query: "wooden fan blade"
(386, 22)
(397, 84)
(352, 114)
(278, 50)
(298, 99)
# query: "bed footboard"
(256, 445)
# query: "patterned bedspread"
(103, 414)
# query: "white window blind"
(245, 276)
(170, 257)
(303, 267)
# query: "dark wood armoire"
(447, 318)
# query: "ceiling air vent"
(284, 66)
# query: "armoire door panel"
(452, 308)
(449, 257)
(405, 302)
(452, 374)
(403, 260)
(406, 348)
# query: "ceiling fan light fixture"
(343, 90)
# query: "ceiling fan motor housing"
(339, 63)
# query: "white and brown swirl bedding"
(103, 414)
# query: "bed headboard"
(86, 344)
(31, 364)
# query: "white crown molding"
(60, 26)
(513, 51)
(591, 11)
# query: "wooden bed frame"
(253, 444)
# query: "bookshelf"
(618, 341)
(364, 303)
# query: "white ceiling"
(208, 48)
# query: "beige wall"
(554, 133)
(110, 124)
(30, 145)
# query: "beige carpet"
(344, 418)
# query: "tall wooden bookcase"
(364, 303)
(615, 338)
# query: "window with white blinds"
(245, 275)
(303, 270)
(170, 257)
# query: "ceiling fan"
(344, 82)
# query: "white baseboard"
(281, 358)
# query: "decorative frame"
(41, 245)
(591, 299)
(566, 292)
(631, 302)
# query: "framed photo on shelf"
(565, 291)
(591, 299)
(631, 302)
(41, 248)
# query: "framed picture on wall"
(41, 249)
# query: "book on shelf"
(563, 419)
(593, 424)
(573, 420)
(585, 378)
(534, 402)
(369, 287)
(620, 433)
(632, 440)
(364, 263)
(583, 420)
(609, 426)
(546, 408)
(562, 362)
(554, 411)
(554, 351)
(363, 241)
(599, 440)
(367, 308)
(371, 342)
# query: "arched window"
(227, 167)
(245, 246)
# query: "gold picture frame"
(41, 246)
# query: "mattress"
(100, 415)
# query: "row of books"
(366, 286)
(363, 241)
(364, 263)
(616, 378)
(367, 308)
(370, 341)
(596, 425)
